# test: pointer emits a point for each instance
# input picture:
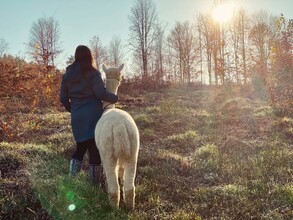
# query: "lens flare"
(70, 195)
(71, 207)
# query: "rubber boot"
(75, 167)
(96, 175)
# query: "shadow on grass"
(17, 196)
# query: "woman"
(82, 92)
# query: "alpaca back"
(117, 134)
(121, 141)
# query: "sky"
(80, 20)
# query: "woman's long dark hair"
(84, 57)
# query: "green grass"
(204, 155)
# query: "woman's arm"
(100, 90)
(64, 99)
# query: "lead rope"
(106, 106)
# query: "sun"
(223, 12)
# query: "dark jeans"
(82, 147)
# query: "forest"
(213, 102)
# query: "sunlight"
(223, 12)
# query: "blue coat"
(82, 96)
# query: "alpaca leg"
(121, 173)
(110, 168)
(121, 179)
(129, 188)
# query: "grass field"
(205, 154)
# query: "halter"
(118, 79)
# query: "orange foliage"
(27, 89)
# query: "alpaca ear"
(120, 67)
(104, 68)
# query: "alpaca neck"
(111, 86)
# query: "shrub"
(27, 86)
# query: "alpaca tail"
(121, 141)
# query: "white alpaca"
(117, 139)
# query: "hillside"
(205, 154)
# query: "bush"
(279, 80)
(27, 87)
(281, 90)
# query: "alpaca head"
(113, 73)
(113, 78)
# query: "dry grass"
(204, 154)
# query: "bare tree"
(116, 51)
(159, 53)
(175, 39)
(98, 50)
(170, 63)
(244, 26)
(3, 46)
(262, 38)
(44, 42)
(182, 41)
(143, 22)
(237, 41)
(200, 47)
(220, 43)
(206, 25)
